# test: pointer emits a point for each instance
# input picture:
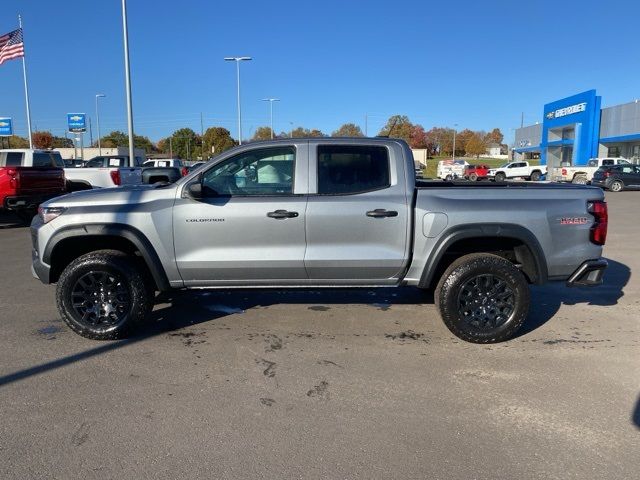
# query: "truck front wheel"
(500, 177)
(103, 294)
(483, 298)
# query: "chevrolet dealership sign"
(562, 112)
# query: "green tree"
(476, 145)
(15, 142)
(185, 144)
(262, 133)
(219, 138)
(348, 130)
(121, 139)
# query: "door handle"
(282, 214)
(381, 212)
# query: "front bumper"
(39, 269)
(589, 274)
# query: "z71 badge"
(574, 221)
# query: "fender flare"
(503, 230)
(135, 236)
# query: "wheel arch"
(486, 238)
(69, 243)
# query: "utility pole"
(453, 154)
(170, 148)
(90, 133)
(522, 120)
(201, 136)
(99, 95)
(366, 125)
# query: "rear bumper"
(589, 274)
(28, 202)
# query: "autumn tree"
(301, 132)
(42, 140)
(440, 140)
(398, 126)
(348, 130)
(262, 133)
(418, 137)
(494, 136)
(476, 145)
(62, 142)
(461, 140)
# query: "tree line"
(187, 144)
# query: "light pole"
(271, 100)
(127, 75)
(99, 95)
(238, 60)
(453, 154)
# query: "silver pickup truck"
(321, 212)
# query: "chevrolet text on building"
(561, 112)
(576, 128)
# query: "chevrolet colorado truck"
(517, 170)
(28, 178)
(315, 213)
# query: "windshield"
(504, 165)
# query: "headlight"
(47, 214)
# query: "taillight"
(14, 178)
(185, 171)
(115, 176)
(564, 171)
(598, 208)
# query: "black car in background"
(617, 177)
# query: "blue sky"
(475, 64)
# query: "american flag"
(11, 46)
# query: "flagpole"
(26, 86)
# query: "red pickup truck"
(28, 178)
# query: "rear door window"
(95, 162)
(14, 159)
(350, 169)
(45, 159)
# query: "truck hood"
(113, 196)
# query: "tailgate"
(130, 175)
(41, 180)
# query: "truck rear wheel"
(579, 179)
(483, 298)
(535, 176)
(102, 295)
(500, 177)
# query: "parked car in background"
(193, 166)
(105, 171)
(583, 174)
(617, 177)
(476, 172)
(517, 170)
(28, 178)
(451, 169)
(164, 170)
(318, 212)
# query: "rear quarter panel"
(539, 210)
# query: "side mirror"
(195, 190)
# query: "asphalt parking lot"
(329, 384)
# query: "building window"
(614, 152)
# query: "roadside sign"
(6, 127)
(77, 122)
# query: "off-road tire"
(473, 177)
(579, 179)
(457, 276)
(500, 177)
(616, 186)
(535, 176)
(132, 279)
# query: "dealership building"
(576, 128)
